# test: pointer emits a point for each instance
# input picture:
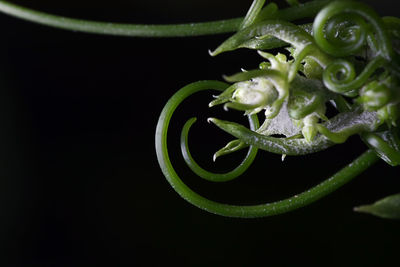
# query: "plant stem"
(149, 30)
(342, 177)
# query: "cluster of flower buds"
(382, 96)
(303, 102)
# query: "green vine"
(348, 57)
(145, 30)
(344, 58)
(340, 178)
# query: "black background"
(79, 180)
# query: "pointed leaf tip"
(211, 120)
(213, 53)
(388, 207)
(226, 77)
(226, 107)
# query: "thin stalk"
(149, 30)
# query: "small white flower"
(258, 92)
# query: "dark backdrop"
(80, 183)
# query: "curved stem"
(254, 11)
(339, 179)
(120, 29)
(217, 177)
(357, 12)
(149, 30)
(349, 83)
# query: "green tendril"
(268, 11)
(331, 50)
(357, 12)
(297, 201)
(340, 29)
(217, 177)
(150, 30)
(347, 81)
(345, 37)
(254, 11)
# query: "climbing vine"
(346, 58)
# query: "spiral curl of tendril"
(324, 51)
(297, 201)
(341, 29)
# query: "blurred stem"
(150, 30)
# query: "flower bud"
(374, 96)
(254, 94)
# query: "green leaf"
(287, 146)
(231, 147)
(388, 207)
(282, 30)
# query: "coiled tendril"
(340, 29)
(217, 177)
(262, 210)
(327, 50)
